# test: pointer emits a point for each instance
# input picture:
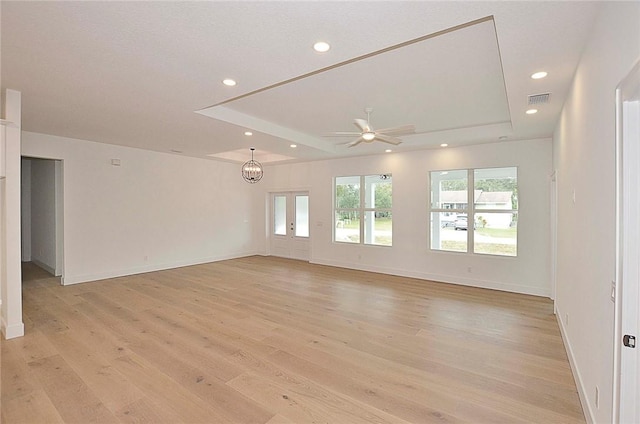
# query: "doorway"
(42, 214)
(627, 290)
(289, 229)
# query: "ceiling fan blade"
(362, 124)
(388, 139)
(341, 134)
(405, 129)
(355, 142)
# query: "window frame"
(361, 210)
(471, 211)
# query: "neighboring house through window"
(491, 210)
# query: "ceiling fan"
(367, 134)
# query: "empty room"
(319, 212)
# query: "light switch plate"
(613, 291)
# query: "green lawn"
(498, 232)
(486, 248)
(383, 224)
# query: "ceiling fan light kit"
(367, 134)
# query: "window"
(363, 215)
(490, 210)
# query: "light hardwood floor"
(269, 340)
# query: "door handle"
(629, 341)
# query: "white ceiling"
(148, 74)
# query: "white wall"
(43, 214)
(154, 211)
(584, 156)
(410, 254)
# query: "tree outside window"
(363, 215)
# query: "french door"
(290, 225)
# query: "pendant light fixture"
(252, 170)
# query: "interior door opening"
(41, 217)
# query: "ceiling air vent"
(538, 99)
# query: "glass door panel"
(280, 215)
(302, 216)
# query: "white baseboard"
(582, 393)
(493, 285)
(44, 266)
(11, 331)
(77, 279)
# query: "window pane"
(347, 192)
(377, 228)
(449, 189)
(377, 191)
(496, 188)
(280, 215)
(302, 216)
(347, 226)
(496, 233)
(448, 231)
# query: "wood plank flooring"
(269, 340)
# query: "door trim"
(626, 388)
(289, 245)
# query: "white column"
(11, 274)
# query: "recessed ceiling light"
(248, 133)
(388, 151)
(539, 75)
(293, 146)
(321, 47)
(229, 82)
(444, 145)
(531, 111)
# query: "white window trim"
(470, 211)
(361, 211)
